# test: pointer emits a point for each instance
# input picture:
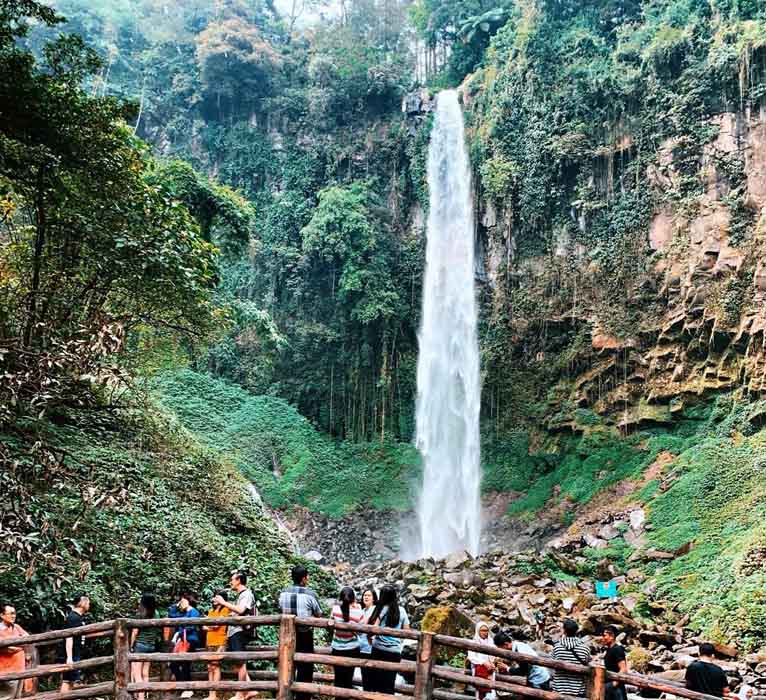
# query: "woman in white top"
(482, 665)
(369, 601)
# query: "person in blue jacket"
(185, 607)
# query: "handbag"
(181, 646)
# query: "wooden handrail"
(55, 635)
(238, 620)
(322, 622)
(329, 660)
(285, 654)
(50, 669)
(207, 656)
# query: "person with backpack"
(345, 643)
(185, 639)
(387, 614)
(572, 649)
(238, 637)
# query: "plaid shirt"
(299, 601)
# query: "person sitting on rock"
(537, 676)
(615, 661)
(705, 676)
(482, 664)
(572, 649)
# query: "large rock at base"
(456, 560)
(447, 619)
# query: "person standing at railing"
(216, 640)
(387, 614)
(301, 601)
(616, 661)
(482, 664)
(345, 643)
(144, 640)
(237, 637)
(185, 638)
(71, 649)
(537, 676)
(12, 659)
(572, 649)
(369, 601)
(706, 676)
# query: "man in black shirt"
(71, 650)
(705, 676)
(614, 661)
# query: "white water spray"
(449, 391)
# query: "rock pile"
(514, 591)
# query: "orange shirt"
(216, 636)
(11, 661)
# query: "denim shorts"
(144, 648)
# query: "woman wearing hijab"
(482, 665)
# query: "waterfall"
(449, 509)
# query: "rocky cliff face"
(695, 297)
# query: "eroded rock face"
(700, 296)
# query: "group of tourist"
(379, 609)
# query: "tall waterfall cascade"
(449, 390)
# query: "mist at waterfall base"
(449, 390)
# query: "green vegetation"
(118, 505)
(288, 460)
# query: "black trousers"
(384, 681)
(344, 675)
(304, 673)
(368, 674)
(181, 670)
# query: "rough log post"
(597, 683)
(424, 681)
(121, 661)
(32, 656)
(286, 660)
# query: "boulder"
(456, 560)
(658, 555)
(730, 652)
(608, 532)
(313, 555)
(594, 542)
(448, 620)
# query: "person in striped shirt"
(344, 642)
(572, 649)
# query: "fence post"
(597, 683)
(32, 658)
(424, 681)
(286, 661)
(121, 662)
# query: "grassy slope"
(137, 504)
(712, 494)
(283, 453)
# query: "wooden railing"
(281, 681)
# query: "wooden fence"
(432, 681)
